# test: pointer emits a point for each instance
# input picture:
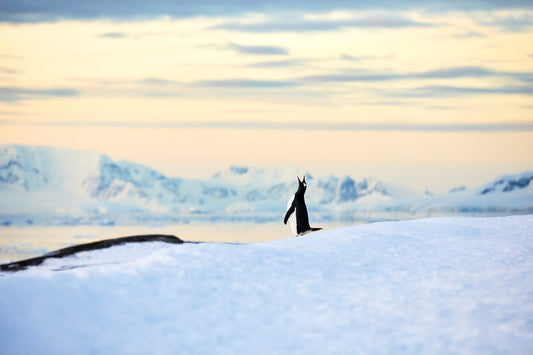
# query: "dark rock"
(102, 244)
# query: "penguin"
(300, 224)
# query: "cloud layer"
(257, 50)
(314, 25)
(53, 10)
(313, 126)
(16, 94)
(440, 84)
(367, 60)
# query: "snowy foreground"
(445, 285)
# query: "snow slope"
(433, 286)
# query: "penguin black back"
(300, 209)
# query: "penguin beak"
(298, 179)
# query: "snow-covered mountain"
(52, 185)
(509, 183)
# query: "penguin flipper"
(289, 212)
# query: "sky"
(433, 94)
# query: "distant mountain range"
(43, 185)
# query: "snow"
(434, 286)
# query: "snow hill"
(429, 286)
(43, 185)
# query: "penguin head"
(302, 185)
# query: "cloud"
(523, 82)
(55, 10)
(160, 95)
(280, 63)
(441, 73)
(456, 91)
(116, 35)
(157, 82)
(509, 22)
(150, 86)
(160, 88)
(471, 34)
(257, 50)
(124, 35)
(12, 113)
(9, 71)
(455, 72)
(389, 103)
(16, 94)
(268, 125)
(351, 58)
(471, 72)
(441, 107)
(315, 25)
(244, 83)
(305, 61)
(347, 77)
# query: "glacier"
(54, 186)
(434, 286)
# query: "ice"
(434, 286)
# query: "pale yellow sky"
(445, 96)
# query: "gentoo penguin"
(300, 224)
